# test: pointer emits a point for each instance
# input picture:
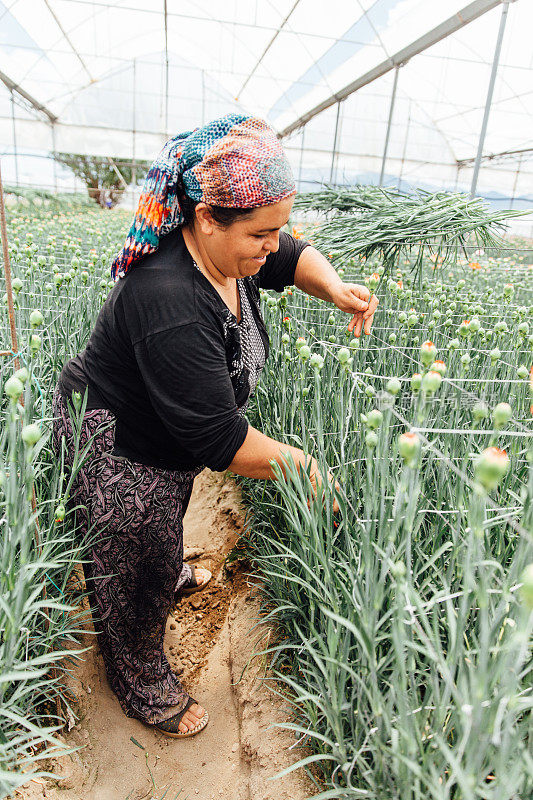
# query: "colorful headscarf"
(236, 162)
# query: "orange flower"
(296, 232)
(400, 284)
(475, 265)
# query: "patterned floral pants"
(134, 517)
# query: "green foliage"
(368, 221)
(402, 629)
(403, 640)
(106, 178)
(34, 199)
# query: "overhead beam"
(267, 48)
(67, 38)
(453, 24)
(512, 155)
(14, 87)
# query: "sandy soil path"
(208, 642)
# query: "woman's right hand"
(316, 481)
(254, 460)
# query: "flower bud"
(501, 415)
(490, 467)
(35, 342)
(428, 351)
(343, 355)
(16, 285)
(13, 388)
(31, 434)
(317, 362)
(416, 382)
(474, 325)
(453, 344)
(431, 382)
(300, 341)
(495, 355)
(522, 372)
(464, 328)
(371, 440)
(305, 352)
(22, 374)
(36, 318)
(372, 281)
(480, 411)
(60, 513)
(394, 386)
(440, 367)
(409, 447)
(374, 419)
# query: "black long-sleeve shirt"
(165, 357)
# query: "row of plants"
(58, 285)
(404, 622)
(393, 611)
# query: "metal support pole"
(488, 101)
(387, 136)
(133, 166)
(166, 69)
(335, 138)
(54, 162)
(515, 183)
(14, 138)
(301, 160)
(203, 97)
(404, 146)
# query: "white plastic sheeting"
(121, 76)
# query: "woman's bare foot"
(191, 718)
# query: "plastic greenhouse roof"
(100, 68)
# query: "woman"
(176, 350)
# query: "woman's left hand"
(357, 300)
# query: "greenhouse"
(266, 399)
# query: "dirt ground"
(209, 640)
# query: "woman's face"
(241, 248)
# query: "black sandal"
(193, 585)
(170, 727)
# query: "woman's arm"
(253, 457)
(314, 275)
